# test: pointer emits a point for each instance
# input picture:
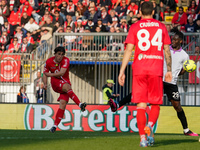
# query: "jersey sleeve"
(130, 39)
(46, 67)
(65, 63)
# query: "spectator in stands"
(22, 95)
(131, 19)
(19, 34)
(189, 27)
(63, 8)
(36, 35)
(104, 15)
(112, 15)
(123, 25)
(26, 8)
(90, 24)
(41, 94)
(61, 39)
(49, 24)
(46, 34)
(24, 19)
(15, 18)
(193, 15)
(58, 18)
(110, 39)
(56, 26)
(87, 41)
(31, 25)
(14, 46)
(80, 9)
(132, 7)
(168, 5)
(107, 4)
(123, 9)
(4, 40)
(99, 41)
(79, 27)
(25, 47)
(4, 9)
(192, 6)
(93, 14)
(69, 22)
(156, 10)
(30, 38)
(1, 21)
(14, 5)
(69, 39)
(8, 27)
(197, 26)
(179, 19)
(168, 27)
(115, 23)
(71, 9)
(100, 24)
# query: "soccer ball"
(189, 65)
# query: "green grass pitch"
(77, 140)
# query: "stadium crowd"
(26, 24)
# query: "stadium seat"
(168, 18)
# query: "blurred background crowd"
(26, 24)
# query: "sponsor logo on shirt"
(141, 56)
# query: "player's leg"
(140, 96)
(67, 88)
(182, 118)
(141, 123)
(59, 115)
(114, 106)
(155, 96)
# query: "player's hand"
(168, 77)
(121, 78)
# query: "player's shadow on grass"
(173, 142)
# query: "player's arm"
(127, 55)
(57, 74)
(182, 72)
(168, 75)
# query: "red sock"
(141, 119)
(73, 97)
(153, 115)
(59, 116)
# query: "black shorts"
(172, 91)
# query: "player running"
(149, 37)
(179, 56)
(57, 67)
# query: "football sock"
(186, 130)
(141, 120)
(59, 116)
(182, 118)
(153, 115)
(125, 100)
(73, 97)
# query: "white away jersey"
(178, 58)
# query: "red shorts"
(57, 85)
(147, 89)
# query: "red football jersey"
(149, 37)
(54, 67)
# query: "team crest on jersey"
(140, 56)
(56, 65)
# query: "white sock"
(117, 106)
(55, 126)
(80, 105)
(185, 130)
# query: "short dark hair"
(59, 49)
(178, 33)
(147, 8)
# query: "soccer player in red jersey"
(57, 67)
(149, 37)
